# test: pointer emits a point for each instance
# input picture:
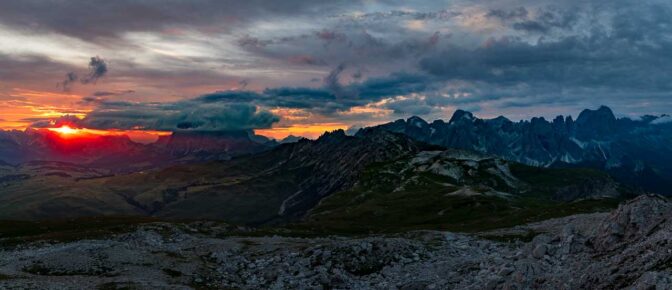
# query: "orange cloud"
(311, 131)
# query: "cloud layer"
(199, 114)
(354, 62)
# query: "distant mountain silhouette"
(637, 152)
(119, 153)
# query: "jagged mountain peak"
(290, 139)
(595, 139)
(602, 114)
(338, 134)
(596, 124)
(417, 121)
(461, 115)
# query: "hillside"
(461, 191)
(386, 179)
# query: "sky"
(303, 67)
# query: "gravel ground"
(630, 247)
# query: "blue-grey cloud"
(205, 113)
(502, 56)
(507, 15)
(629, 57)
(100, 20)
(112, 93)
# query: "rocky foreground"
(630, 247)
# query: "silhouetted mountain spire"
(461, 115)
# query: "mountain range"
(635, 152)
(377, 175)
(118, 153)
(464, 174)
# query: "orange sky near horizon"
(15, 119)
(25, 106)
(310, 131)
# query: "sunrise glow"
(65, 130)
(139, 136)
(310, 131)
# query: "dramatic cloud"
(199, 114)
(333, 83)
(70, 78)
(184, 115)
(336, 97)
(97, 69)
(65, 120)
(350, 62)
(114, 93)
(97, 20)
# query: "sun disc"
(65, 130)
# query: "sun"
(65, 130)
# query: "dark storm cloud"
(443, 14)
(330, 35)
(617, 59)
(336, 97)
(353, 47)
(395, 84)
(506, 15)
(100, 19)
(542, 20)
(249, 41)
(114, 93)
(69, 120)
(206, 113)
(508, 55)
(97, 69)
(332, 81)
(306, 60)
(410, 107)
(548, 20)
(331, 98)
(620, 62)
(70, 78)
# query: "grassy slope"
(375, 206)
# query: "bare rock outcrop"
(629, 248)
(632, 221)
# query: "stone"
(539, 251)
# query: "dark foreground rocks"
(628, 248)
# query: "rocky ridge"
(627, 248)
(634, 151)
